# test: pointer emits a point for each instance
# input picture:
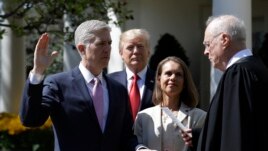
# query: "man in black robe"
(236, 116)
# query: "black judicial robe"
(237, 117)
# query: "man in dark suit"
(134, 48)
(236, 109)
(67, 97)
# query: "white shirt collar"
(183, 111)
(141, 74)
(88, 76)
(239, 55)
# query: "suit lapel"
(148, 89)
(123, 78)
(111, 108)
(80, 86)
(183, 113)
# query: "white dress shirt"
(88, 76)
(140, 82)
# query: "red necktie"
(134, 95)
(98, 100)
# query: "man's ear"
(226, 39)
(120, 52)
(81, 48)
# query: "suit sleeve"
(38, 101)
(32, 112)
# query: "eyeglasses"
(208, 43)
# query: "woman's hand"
(186, 137)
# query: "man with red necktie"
(134, 48)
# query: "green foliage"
(57, 17)
(48, 15)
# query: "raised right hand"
(42, 60)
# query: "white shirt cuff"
(140, 146)
(35, 78)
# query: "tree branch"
(14, 11)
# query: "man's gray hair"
(86, 30)
(229, 24)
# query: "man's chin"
(134, 62)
